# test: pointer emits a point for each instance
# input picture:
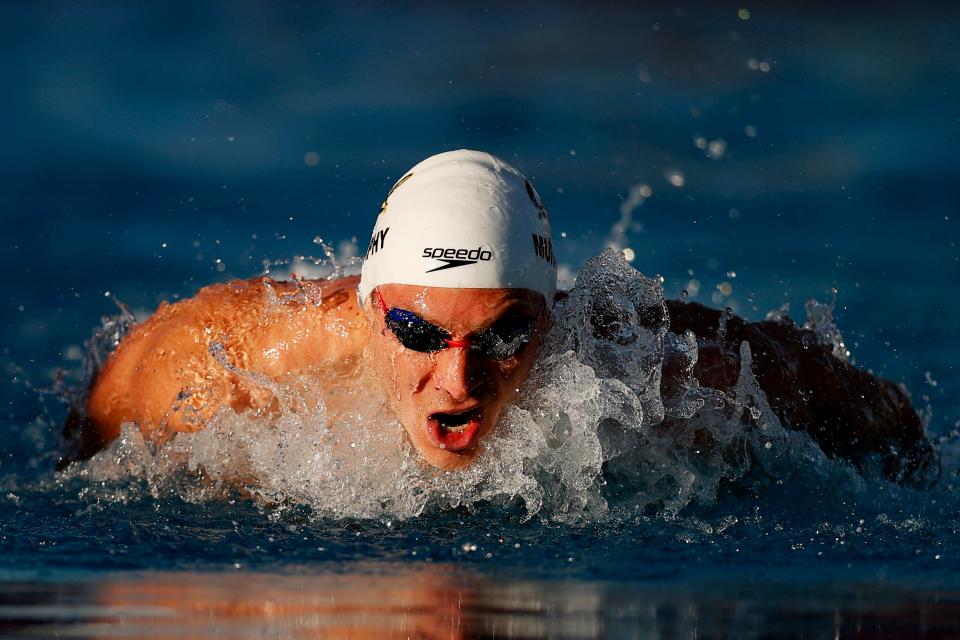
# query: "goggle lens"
(501, 341)
(504, 340)
(414, 332)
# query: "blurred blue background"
(754, 156)
(784, 152)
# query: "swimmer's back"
(172, 372)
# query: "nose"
(455, 373)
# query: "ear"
(545, 322)
(545, 319)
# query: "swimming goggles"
(506, 338)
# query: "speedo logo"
(456, 257)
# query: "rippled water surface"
(739, 156)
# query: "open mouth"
(454, 431)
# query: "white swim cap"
(462, 219)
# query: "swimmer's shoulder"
(312, 300)
(321, 321)
(259, 324)
(242, 310)
(287, 326)
(265, 293)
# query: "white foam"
(592, 433)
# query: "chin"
(448, 460)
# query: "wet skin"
(175, 370)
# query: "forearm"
(850, 413)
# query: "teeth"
(454, 422)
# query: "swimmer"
(452, 302)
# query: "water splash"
(820, 321)
(600, 430)
(336, 262)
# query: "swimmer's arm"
(175, 370)
(848, 412)
(162, 377)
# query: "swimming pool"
(751, 159)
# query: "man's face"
(448, 400)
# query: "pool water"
(751, 157)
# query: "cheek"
(400, 373)
(512, 373)
(383, 356)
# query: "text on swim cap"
(479, 253)
(537, 202)
(543, 247)
(377, 241)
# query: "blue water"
(800, 153)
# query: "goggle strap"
(380, 303)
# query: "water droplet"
(717, 148)
(675, 178)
